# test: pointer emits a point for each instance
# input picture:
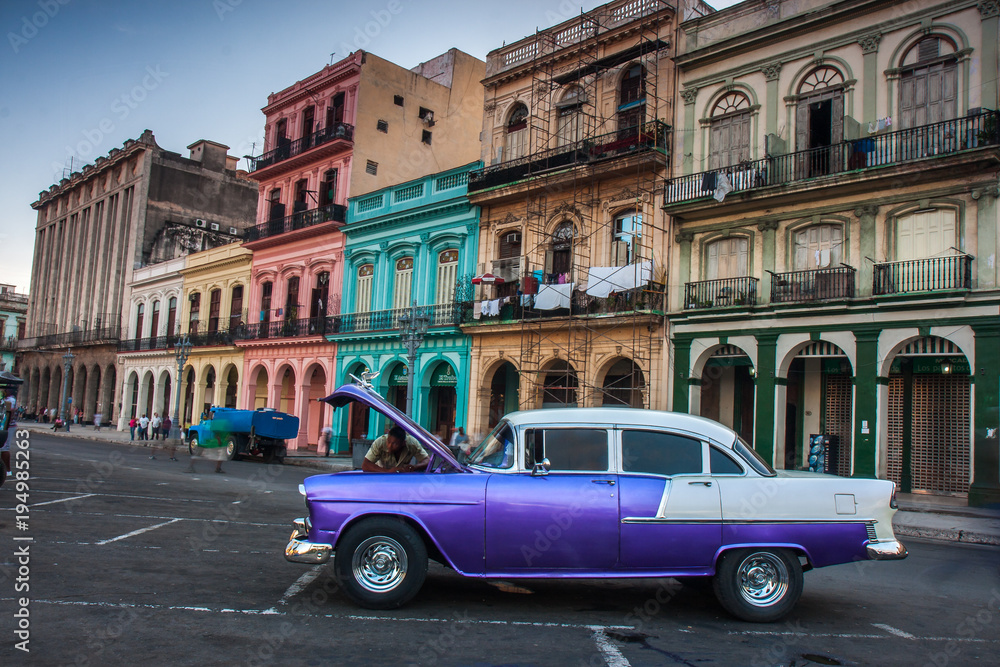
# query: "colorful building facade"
(13, 319)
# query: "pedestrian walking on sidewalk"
(132, 423)
(154, 425)
(164, 426)
(97, 421)
(144, 427)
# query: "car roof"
(625, 417)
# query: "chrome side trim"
(887, 551)
(737, 522)
(300, 550)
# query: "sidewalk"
(919, 515)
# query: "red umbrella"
(488, 279)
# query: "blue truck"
(260, 432)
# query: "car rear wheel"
(381, 563)
(232, 449)
(758, 585)
(192, 444)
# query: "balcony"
(98, 335)
(298, 220)
(923, 275)
(815, 285)
(9, 344)
(645, 300)
(893, 148)
(152, 344)
(720, 293)
(310, 326)
(651, 136)
(338, 132)
(441, 315)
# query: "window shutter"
(837, 122)
(719, 144)
(549, 258)
(713, 261)
(802, 126)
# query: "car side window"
(496, 450)
(660, 453)
(568, 448)
(722, 464)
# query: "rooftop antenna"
(332, 54)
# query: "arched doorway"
(168, 406)
(132, 395)
(188, 388)
(727, 390)
(443, 402)
(397, 386)
(560, 385)
(260, 389)
(286, 401)
(624, 385)
(314, 408)
(928, 446)
(359, 417)
(149, 390)
(209, 399)
(232, 385)
(503, 393)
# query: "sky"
(79, 77)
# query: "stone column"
(689, 95)
(867, 237)
(771, 72)
(985, 488)
(869, 47)
(866, 381)
(986, 232)
(768, 227)
(989, 11)
(683, 240)
(682, 362)
(767, 350)
(302, 412)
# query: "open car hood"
(352, 392)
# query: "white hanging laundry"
(550, 297)
(494, 307)
(824, 257)
(722, 187)
(604, 280)
(477, 310)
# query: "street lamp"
(67, 365)
(182, 350)
(414, 324)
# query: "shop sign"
(445, 377)
(933, 365)
(398, 377)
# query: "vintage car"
(592, 493)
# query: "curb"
(948, 535)
(317, 465)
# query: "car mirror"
(541, 468)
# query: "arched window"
(928, 83)
(727, 258)
(236, 307)
(819, 78)
(819, 247)
(447, 276)
(154, 320)
(172, 316)
(363, 291)
(140, 310)
(570, 110)
(632, 99)
(292, 299)
(729, 142)
(559, 256)
(265, 301)
(276, 210)
(625, 238)
(214, 306)
(195, 316)
(320, 296)
(403, 284)
(819, 119)
(516, 133)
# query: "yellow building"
(213, 312)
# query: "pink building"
(356, 126)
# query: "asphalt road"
(132, 559)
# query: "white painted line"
(856, 635)
(137, 532)
(894, 631)
(299, 584)
(61, 500)
(533, 624)
(611, 654)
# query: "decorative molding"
(767, 225)
(866, 209)
(990, 191)
(425, 237)
(771, 71)
(684, 237)
(489, 108)
(989, 9)
(869, 43)
(383, 246)
(689, 95)
(472, 227)
(626, 196)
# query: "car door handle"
(609, 482)
(705, 483)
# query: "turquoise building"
(410, 248)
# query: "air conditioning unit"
(509, 269)
(233, 231)
(200, 223)
(215, 226)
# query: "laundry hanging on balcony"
(604, 280)
(551, 297)
(722, 187)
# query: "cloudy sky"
(79, 77)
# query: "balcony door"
(516, 135)
(819, 121)
(925, 234)
(403, 285)
(727, 258)
(819, 247)
(928, 84)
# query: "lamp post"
(414, 324)
(67, 365)
(182, 350)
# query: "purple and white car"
(592, 493)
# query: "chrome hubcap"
(763, 579)
(379, 564)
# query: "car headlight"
(302, 490)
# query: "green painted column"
(767, 351)
(989, 63)
(986, 230)
(684, 240)
(773, 104)
(866, 381)
(689, 95)
(869, 87)
(866, 269)
(682, 361)
(768, 227)
(985, 488)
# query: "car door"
(671, 505)
(559, 520)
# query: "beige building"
(572, 240)
(833, 204)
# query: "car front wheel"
(758, 585)
(232, 449)
(381, 563)
(192, 444)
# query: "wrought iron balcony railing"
(720, 293)
(298, 220)
(923, 275)
(651, 136)
(815, 285)
(95, 336)
(310, 326)
(892, 148)
(647, 299)
(440, 315)
(150, 344)
(287, 148)
(8, 343)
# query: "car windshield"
(753, 458)
(496, 450)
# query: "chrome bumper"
(886, 551)
(300, 550)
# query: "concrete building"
(413, 243)
(13, 319)
(572, 240)
(137, 205)
(834, 210)
(356, 126)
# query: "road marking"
(611, 654)
(299, 584)
(894, 631)
(857, 635)
(61, 500)
(137, 532)
(182, 518)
